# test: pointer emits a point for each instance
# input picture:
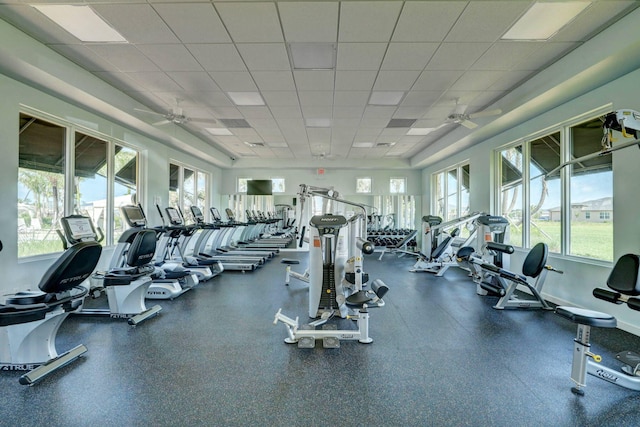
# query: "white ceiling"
(437, 53)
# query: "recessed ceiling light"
(317, 123)
(219, 131)
(544, 19)
(363, 144)
(254, 144)
(420, 131)
(246, 98)
(312, 56)
(385, 98)
(82, 22)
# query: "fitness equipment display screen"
(133, 215)
(173, 216)
(80, 228)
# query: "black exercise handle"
(607, 295)
(302, 236)
(365, 246)
(500, 247)
(0, 245)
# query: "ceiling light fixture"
(420, 131)
(246, 98)
(219, 131)
(317, 123)
(82, 22)
(312, 56)
(363, 145)
(544, 19)
(385, 98)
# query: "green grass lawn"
(588, 239)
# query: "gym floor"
(441, 356)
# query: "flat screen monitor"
(133, 215)
(259, 187)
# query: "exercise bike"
(624, 282)
(30, 320)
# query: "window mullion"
(109, 215)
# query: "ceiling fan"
(459, 116)
(175, 116)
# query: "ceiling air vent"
(401, 123)
(235, 123)
(385, 144)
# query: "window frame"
(444, 173)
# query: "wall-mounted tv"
(259, 187)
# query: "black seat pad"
(587, 317)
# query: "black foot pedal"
(578, 391)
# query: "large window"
(187, 187)
(63, 170)
(398, 185)
(363, 185)
(450, 192)
(576, 223)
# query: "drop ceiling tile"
(485, 99)
(376, 111)
(312, 98)
(504, 55)
(286, 112)
(315, 22)
(427, 21)
(274, 80)
(477, 80)
(213, 99)
(345, 122)
(348, 112)
(217, 57)
(368, 133)
(355, 80)
(410, 112)
(395, 80)
(314, 80)
(408, 56)
(155, 81)
(319, 135)
(138, 23)
(234, 81)
(486, 21)
(317, 111)
(264, 56)
(125, 57)
(171, 57)
(436, 80)
(360, 56)
(457, 56)
(194, 81)
(368, 21)
(351, 98)
(280, 98)
(417, 98)
(226, 112)
(255, 112)
(193, 22)
(251, 22)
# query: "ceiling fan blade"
(468, 124)
(148, 112)
(486, 113)
(161, 122)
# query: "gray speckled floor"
(441, 356)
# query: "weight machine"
(332, 291)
